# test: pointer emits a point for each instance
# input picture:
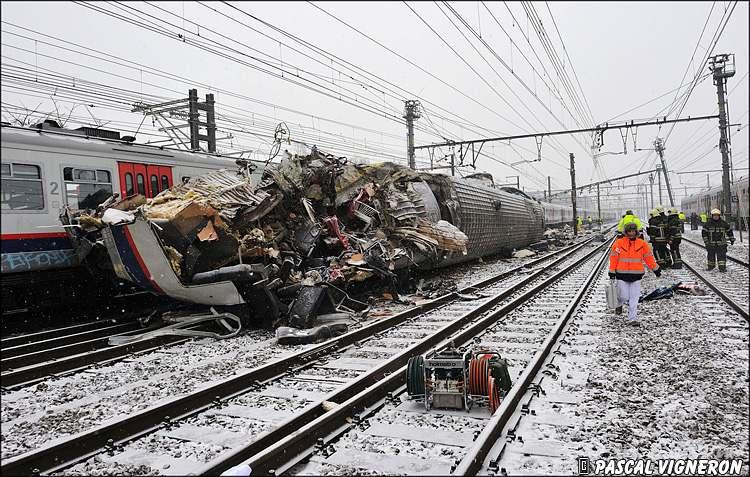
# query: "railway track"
(447, 313)
(730, 258)
(733, 286)
(541, 427)
(379, 431)
(29, 359)
(394, 436)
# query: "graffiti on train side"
(41, 260)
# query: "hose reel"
(456, 379)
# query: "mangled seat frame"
(138, 255)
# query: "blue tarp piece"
(660, 293)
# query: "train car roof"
(113, 147)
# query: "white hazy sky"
(623, 54)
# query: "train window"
(154, 185)
(141, 184)
(129, 190)
(86, 188)
(84, 175)
(22, 187)
(164, 183)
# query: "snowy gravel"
(32, 416)
(740, 250)
(409, 439)
(679, 385)
(735, 281)
(676, 387)
(58, 408)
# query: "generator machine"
(457, 379)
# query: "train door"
(145, 179)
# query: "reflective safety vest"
(627, 256)
(626, 220)
(704, 218)
(682, 216)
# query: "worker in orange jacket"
(626, 265)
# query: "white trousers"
(629, 293)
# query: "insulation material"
(317, 220)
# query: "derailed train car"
(49, 167)
(314, 228)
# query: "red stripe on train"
(33, 236)
(140, 261)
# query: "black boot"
(710, 266)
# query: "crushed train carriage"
(289, 247)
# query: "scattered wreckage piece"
(184, 326)
(292, 247)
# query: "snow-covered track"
(534, 307)
(731, 258)
(732, 286)
(64, 452)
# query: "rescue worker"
(694, 221)
(626, 219)
(704, 219)
(674, 236)
(626, 265)
(715, 233)
(681, 215)
(590, 222)
(579, 223)
(657, 234)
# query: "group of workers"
(588, 222)
(630, 251)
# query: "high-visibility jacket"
(626, 220)
(627, 256)
(681, 216)
(704, 218)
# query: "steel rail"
(77, 447)
(473, 460)
(27, 338)
(61, 341)
(730, 258)
(29, 374)
(267, 454)
(727, 299)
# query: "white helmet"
(715, 212)
(659, 209)
(653, 213)
(673, 211)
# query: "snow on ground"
(675, 387)
(55, 409)
(740, 250)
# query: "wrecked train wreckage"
(293, 246)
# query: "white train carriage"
(703, 202)
(45, 169)
(556, 215)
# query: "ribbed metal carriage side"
(495, 220)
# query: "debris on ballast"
(295, 245)
(523, 253)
